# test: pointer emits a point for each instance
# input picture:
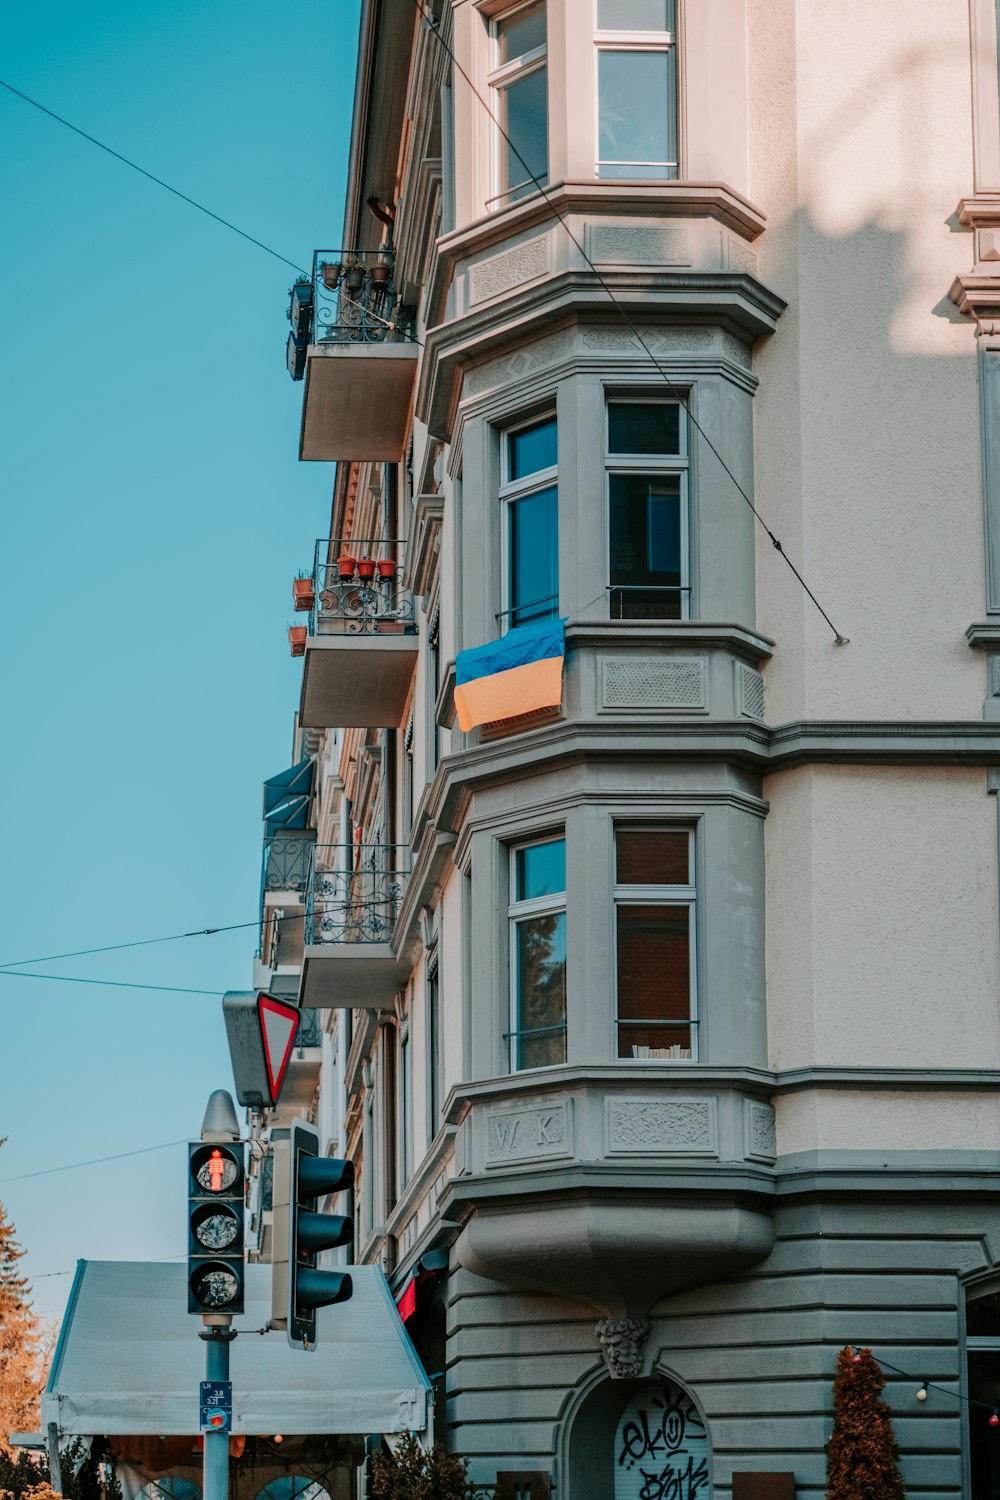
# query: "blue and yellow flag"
(515, 675)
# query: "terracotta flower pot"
(303, 596)
(346, 565)
(330, 271)
(380, 275)
(366, 567)
(386, 568)
(297, 639)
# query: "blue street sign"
(216, 1406)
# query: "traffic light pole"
(215, 1476)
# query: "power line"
(432, 22)
(158, 180)
(94, 1161)
(114, 984)
(173, 937)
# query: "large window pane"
(532, 449)
(635, 114)
(984, 1440)
(654, 856)
(540, 870)
(534, 558)
(641, 427)
(522, 32)
(525, 120)
(540, 960)
(645, 525)
(636, 15)
(654, 980)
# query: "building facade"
(662, 1024)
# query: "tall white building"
(662, 1025)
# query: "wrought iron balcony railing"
(287, 862)
(351, 298)
(355, 892)
(358, 588)
(310, 1033)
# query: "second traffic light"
(301, 1177)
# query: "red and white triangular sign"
(279, 1022)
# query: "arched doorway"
(636, 1440)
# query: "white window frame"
(659, 895)
(635, 41)
(649, 463)
(500, 77)
(512, 490)
(517, 912)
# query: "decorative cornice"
(984, 634)
(982, 211)
(978, 296)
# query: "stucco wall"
(866, 420)
(882, 918)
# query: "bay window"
(637, 89)
(537, 921)
(654, 900)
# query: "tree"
(862, 1454)
(412, 1474)
(22, 1356)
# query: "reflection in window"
(520, 82)
(293, 1487)
(530, 499)
(647, 511)
(636, 89)
(654, 951)
(538, 955)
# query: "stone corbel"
(977, 295)
(622, 1341)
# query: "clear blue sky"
(155, 513)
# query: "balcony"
(303, 1066)
(352, 341)
(361, 648)
(352, 904)
(284, 881)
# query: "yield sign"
(279, 1022)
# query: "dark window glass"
(654, 980)
(525, 120)
(984, 1440)
(522, 32)
(540, 870)
(532, 449)
(644, 427)
(540, 957)
(635, 114)
(982, 1316)
(645, 524)
(534, 558)
(652, 856)
(635, 15)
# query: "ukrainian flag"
(515, 675)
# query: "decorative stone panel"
(660, 340)
(651, 683)
(639, 245)
(515, 1135)
(662, 1127)
(761, 1134)
(742, 257)
(492, 277)
(515, 366)
(751, 685)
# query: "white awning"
(129, 1360)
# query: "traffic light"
(301, 1176)
(216, 1178)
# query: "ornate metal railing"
(351, 298)
(358, 588)
(355, 892)
(287, 862)
(310, 1033)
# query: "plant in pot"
(330, 271)
(386, 568)
(354, 273)
(297, 639)
(380, 271)
(366, 567)
(346, 565)
(303, 594)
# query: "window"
(654, 942)
(982, 1355)
(520, 84)
(405, 1102)
(434, 1039)
(538, 955)
(636, 89)
(530, 500)
(647, 510)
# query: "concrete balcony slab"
(351, 976)
(357, 401)
(357, 681)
